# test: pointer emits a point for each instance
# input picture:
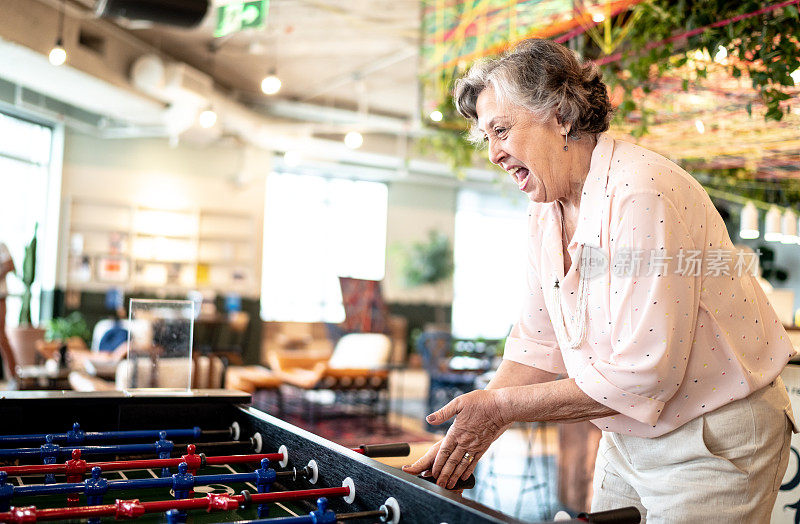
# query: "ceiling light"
(292, 158)
(748, 226)
(789, 227)
(353, 139)
(598, 17)
(436, 116)
(207, 119)
(721, 54)
(271, 84)
(699, 125)
(772, 229)
(58, 55)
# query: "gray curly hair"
(543, 77)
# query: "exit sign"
(237, 16)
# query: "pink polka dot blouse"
(675, 323)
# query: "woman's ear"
(563, 128)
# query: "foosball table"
(201, 456)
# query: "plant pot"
(23, 343)
(415, 361)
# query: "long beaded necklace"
(574, 334)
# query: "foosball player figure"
(6, 492)
(322, 514)
(75, 435)
(265, 476)
(182, 484)
(75, 469)
(192, 459)
(95, 487)
(164, 450)
(49, 452)
(176, 517)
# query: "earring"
(566, 147)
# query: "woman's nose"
(496, 153)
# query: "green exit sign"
(237, 16)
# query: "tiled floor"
(517, 476)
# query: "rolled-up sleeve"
(654, 293)
(532, 341)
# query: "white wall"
(149, 172)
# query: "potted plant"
(25, 337)
(429, 263)
(70, 330)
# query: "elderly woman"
(636, 317)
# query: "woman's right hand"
(423, 465)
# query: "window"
(490, 259)
(317, 229)
(25, 162)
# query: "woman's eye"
(499, 131)
(485, 138)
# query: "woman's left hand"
(480, 422)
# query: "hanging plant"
(690, 36)
(681, 37)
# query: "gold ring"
(468, 457)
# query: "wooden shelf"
(90, 217)
(221, 238)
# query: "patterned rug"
(348, 424)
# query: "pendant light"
(772, 229)
(58, 55)
(748, 227)
(271, 84)
(789, 227)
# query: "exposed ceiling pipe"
(346, 78)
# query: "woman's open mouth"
(521, 175)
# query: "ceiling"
(359, 54)
(344, 62)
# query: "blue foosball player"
(176, 517)
(95, 487)
(76, 435)
(265, 476)
(322, 515)
(164, 450)
(6, 492)
(182, 484)
(49, 452)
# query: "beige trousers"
(724, 466)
